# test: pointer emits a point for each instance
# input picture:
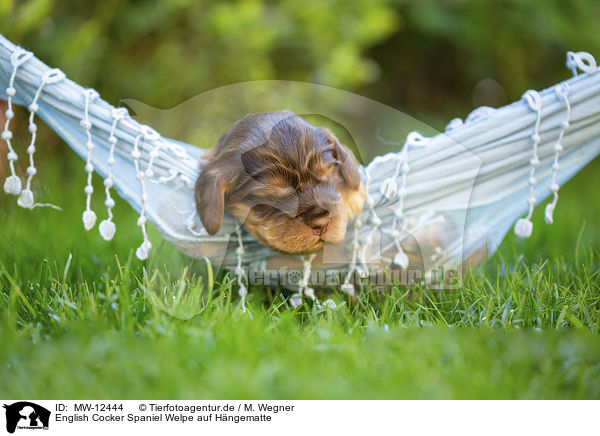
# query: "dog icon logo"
(26, 415)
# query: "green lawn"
(79, 317)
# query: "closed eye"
(265, 210)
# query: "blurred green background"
(432, 59)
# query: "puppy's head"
(292, 185)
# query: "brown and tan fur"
(294, 186)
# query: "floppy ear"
(210, 200)
(347, 162)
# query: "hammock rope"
(12, 185)
(434, 203)
(107, 228)
(89, 216)
(562, 91)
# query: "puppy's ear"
(347, 162)
(210, 200)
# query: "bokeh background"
(432, 59)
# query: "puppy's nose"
(319, 225)
(317, 219)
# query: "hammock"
(435, 205)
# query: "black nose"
(317, 219)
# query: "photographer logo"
(24, 415)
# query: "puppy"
(291, 184)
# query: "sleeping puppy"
(291, 184)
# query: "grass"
(82, 318)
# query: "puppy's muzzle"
(320, 205)
(317, 218)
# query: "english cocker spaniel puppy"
(293, 185)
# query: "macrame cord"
(89, 216)
(12, 185)
(398, 227)
(347, 287)
(562, 93)
(148, 134)
(239, 269)
(389, 189)
(524, 226)
(582, 61)
(107, 228)
(575, 61)
(303, 288)
(26, 196)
